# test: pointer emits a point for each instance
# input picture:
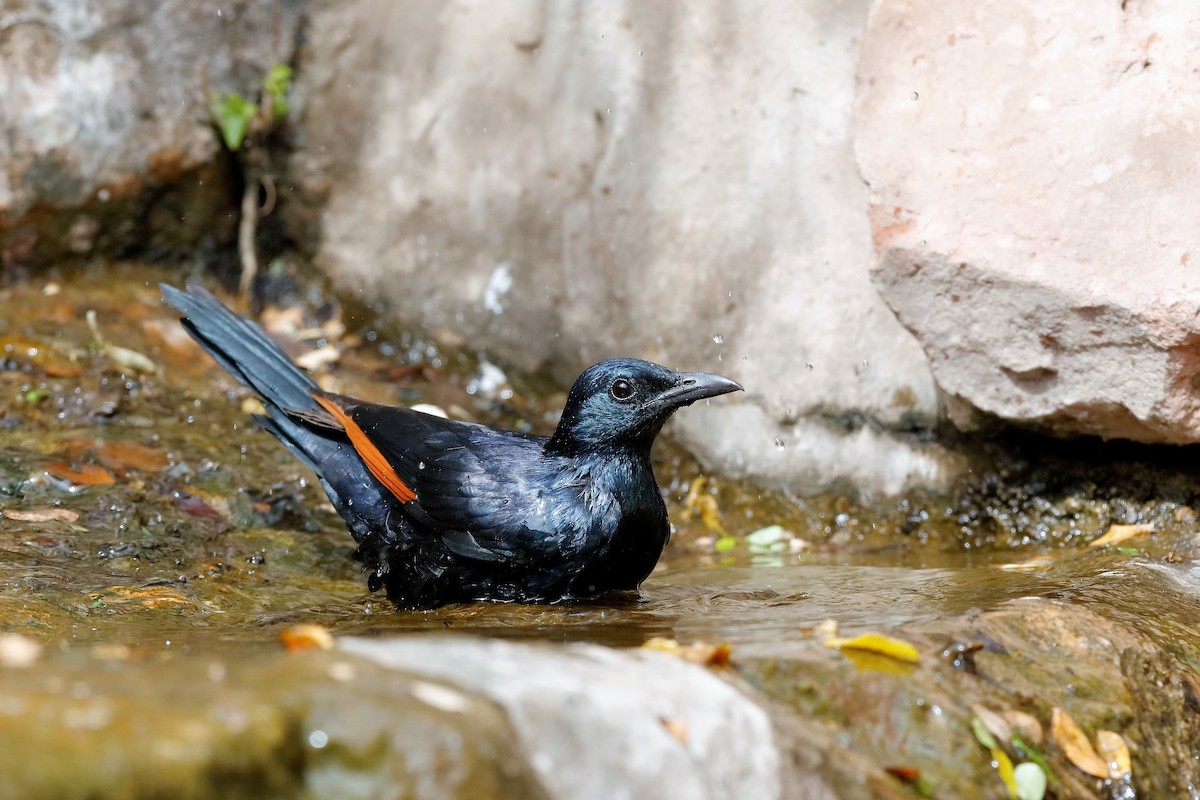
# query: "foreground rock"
(1031, 207)
(668, 728)
(107, 143)
(561, 185)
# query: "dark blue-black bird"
(446, 511)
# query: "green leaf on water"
(1129, 551)
(725, 544)
(771, 539)
(1034, 755)
(982, 734)
(1030, 780)
(35, 396)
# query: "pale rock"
(595, 722)
(1033, 177)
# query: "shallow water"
(211, 540)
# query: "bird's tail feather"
(243, 349)
(293, 416)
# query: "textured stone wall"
(771, 191)
(106, 144)
(562, 182)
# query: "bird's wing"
(480, 489)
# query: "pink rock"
(1033, 172)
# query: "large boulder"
(107, 145)
(1033, 179)
(560, 183)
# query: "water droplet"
(420, 465)
(779, 443)
(808, 365)
(718, 338)
(914, 96)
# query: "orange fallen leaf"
(1026, 725)
(705, 654)
(1119, 533)
(59, 370)
(41, 515)
(906, 774)
(85, 475)
(120, 456)
(196, 507)
(1115, 753)
(1075, 745)
(306, 636)
(676, 728)
(145, 596)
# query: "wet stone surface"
(154, 544)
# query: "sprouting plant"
(242, 125)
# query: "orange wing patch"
(375, 461)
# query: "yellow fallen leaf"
(703, 503)
(252, 405)
(879, 644)
(1075, 745)
(122, 357)
(1004, 766)
(1035, 564)
(1115, 753)
(1119, 533)
(663, 645)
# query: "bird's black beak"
(693, 386)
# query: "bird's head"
(624, 402)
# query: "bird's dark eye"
(621, 389)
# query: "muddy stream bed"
(155, 545)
